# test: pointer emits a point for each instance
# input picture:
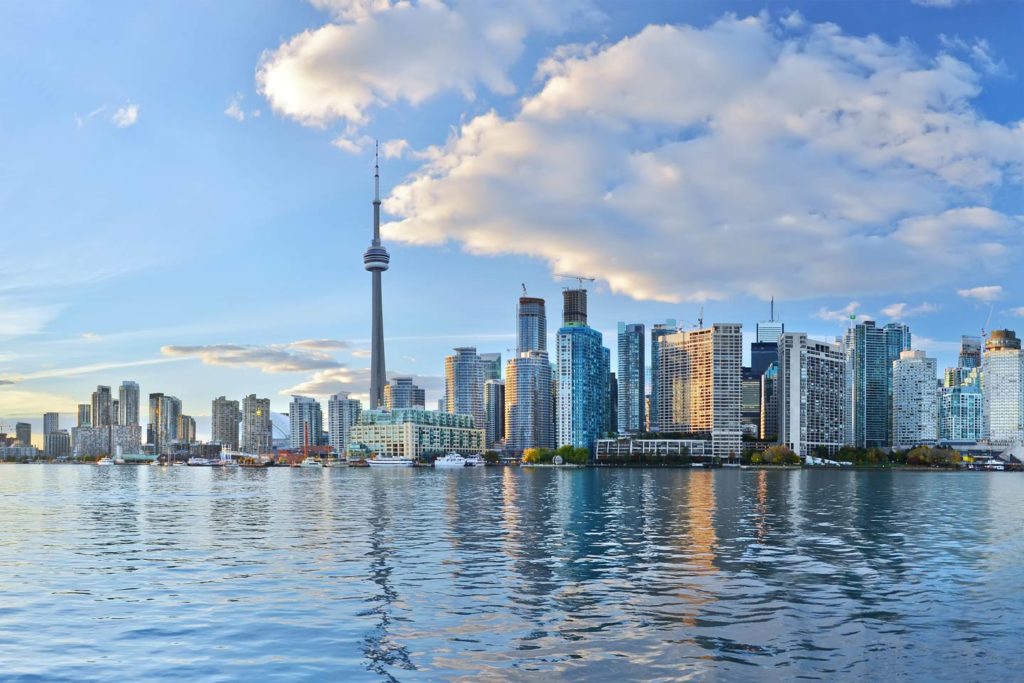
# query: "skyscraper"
(1002, 377)
(306, 422)
(224, 423)
(574, 306)
(401, 393)
(186, 429)
(256, 425)
(897, 340)
(101, 407)
(51, 425)
(961, 403)
(699, 385)
(630, 379)
(750, 402)
(494, 407)
(491, 363)
(528, 419)
(531, 325)
(867, 386)
(582, 382)
(970, 352)
(811, 393)
(23, 433)
(770, 403)
(342, 416)
(128, 403)
(464, 385)
(765, 350)
(657, 331)
(915, 407)
(84, 415)
(376, 260)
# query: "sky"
(186, 187)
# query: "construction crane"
(578, 278)
(524, 288)
(987, 321)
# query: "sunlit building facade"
(915, 403)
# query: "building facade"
(1002, 379)
(531, 325)
(401, 393)
(305, 421)
(414, 433)
(128, 397)
(699, 385)
(528, 403)
(770, 402)
(23, 433)
(257, 429)
(89, 442)
(491, 364)
(464, 384)
(84, 415)
(632, 370)
(225, 418)
(658, 331)
(867, 386)
(811, 394)
(915, 400)
(494, 406)
(342, 415)
(582, 375)
(101, 407)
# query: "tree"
(780, 455)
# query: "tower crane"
(578, 278)
(987, 321)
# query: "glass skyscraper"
(630, 379)
(867, 386)
(582, 386)
(528, 383)
(657, 331)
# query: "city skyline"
(255, 200)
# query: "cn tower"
(376, 260)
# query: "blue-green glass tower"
(582, 377)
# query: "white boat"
(390, 461)
(452, 460)
(198, 462)
(310, 462)
(105, 460)
(475, 461)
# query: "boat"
(475, 461)
(450, 461)
(310, 462)
(335, 462)
(357, 462)
(198, 462)
(390, 461)
(105, 460)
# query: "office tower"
(897, 340)
(84, 415)
(915, 405)
(115, 412)
(186, 429)
(750, 402)
(699, 385)
(574, 306)
(867, 385)
(128, 403)
(101, 407)
(256, 425)
(770, 403)
(1002, 377)
(970, 352)
(494, 407)
(765, 350)
(613, 401)
(23, 433)
(630, 379)
(401, 393)
(811, 394)
(531, 325)
(376, 260)
(491, 363)
(51, 423)
(342, 415)
(225, 416)
(582, 373)
(657, 331)
(162, 429)
(528, 419)
(153, 426)
(464, 384)
(306, 422)
(58, 444)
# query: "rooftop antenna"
(772, 319)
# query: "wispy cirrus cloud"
(299, 356)
(126, 116)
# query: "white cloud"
(840, 159)
(901, 311)
(234, 109)
(1018, 311)
(301, 356)
(943, 4)
(350, 145)
(978, 51)
(380, 53)
(985, 293)
(126, 116)
(20, 319)
(844, 314)
(392, 149)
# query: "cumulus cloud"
(902, 310)
(811, 161)
(234, 109)
(377, 53)
(985, 293)
(842, 315)
(356, 381)
(126, 116)
(295, 357)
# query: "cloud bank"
(750, 157)
(300, 356)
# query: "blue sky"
(185, 186)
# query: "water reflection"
(506, 574)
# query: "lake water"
(141, 573)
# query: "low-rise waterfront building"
(635, 449)
(415, 433)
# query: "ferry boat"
(310, 462)
(390, 461)
(105, 460)
(475, 461)
(198, 462)
(452, 460)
